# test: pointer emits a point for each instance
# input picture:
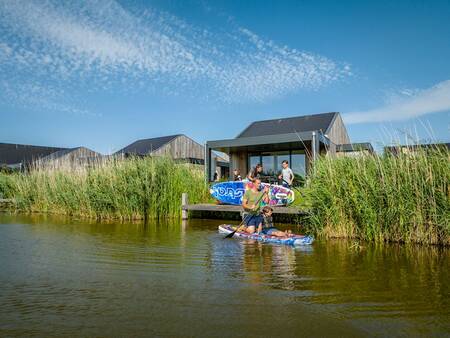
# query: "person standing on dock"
(255, 172)
(237, 175)
(287, 175)
(251, 202)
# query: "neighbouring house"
(179, 147)
(296, 139)
(79, 156)
(17, 156)
(412, 148)
(21, 156)
(354, 149)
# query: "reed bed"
(134, 188)
(401, 198)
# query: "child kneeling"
(268, 228)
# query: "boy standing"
(287, 175)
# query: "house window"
(253, 160)
(280, 157)
(298, 163)
(268, 162)
(272, 161)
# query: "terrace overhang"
(309, 140)
(271, 141)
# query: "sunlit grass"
(123, 189)
(404, 198)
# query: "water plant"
(132, 188)
(403, 197)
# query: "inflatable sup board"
(233, 191)
(293, 240)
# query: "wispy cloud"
(414, 103)
(101, 45)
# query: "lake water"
(62, 277)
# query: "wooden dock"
(224, 211)
(236, 208)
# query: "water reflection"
(168, 278)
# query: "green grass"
(128, 189)
(403, 198)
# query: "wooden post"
(184, 203)
(314, 146)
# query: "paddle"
(292, 187)
(231, 234)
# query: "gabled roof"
(11, 153)
(147, 146)
(79, 152)
(289, 125)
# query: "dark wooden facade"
(18, 155)
(178, 147)
(297, 139)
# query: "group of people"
(286, 175)
(257, 218)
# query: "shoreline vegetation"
(396, 198)
(401, 198)
(125, 189)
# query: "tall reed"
(125, 189)
(403, 198)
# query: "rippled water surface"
(62, 277)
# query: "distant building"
(296, 139)
(411, 149)
(354, 149)
(20, 156)
(71, 156)
(178, 147)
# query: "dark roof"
(289, 125)
(18, 153)
(147, 146)
(82, 152)
(350, 147)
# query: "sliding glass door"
(271, 162)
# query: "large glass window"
(253, 160)
(280, 157)
(272, 163)
(268, 162)
(298, 162)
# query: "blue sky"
(105, 73)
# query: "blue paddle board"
(233, 191)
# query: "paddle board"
(233, 191)
(292, 240)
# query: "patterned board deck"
(232, 193)
(294, 240)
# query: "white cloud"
(415, 103)
(34, 96)
(101, 45)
